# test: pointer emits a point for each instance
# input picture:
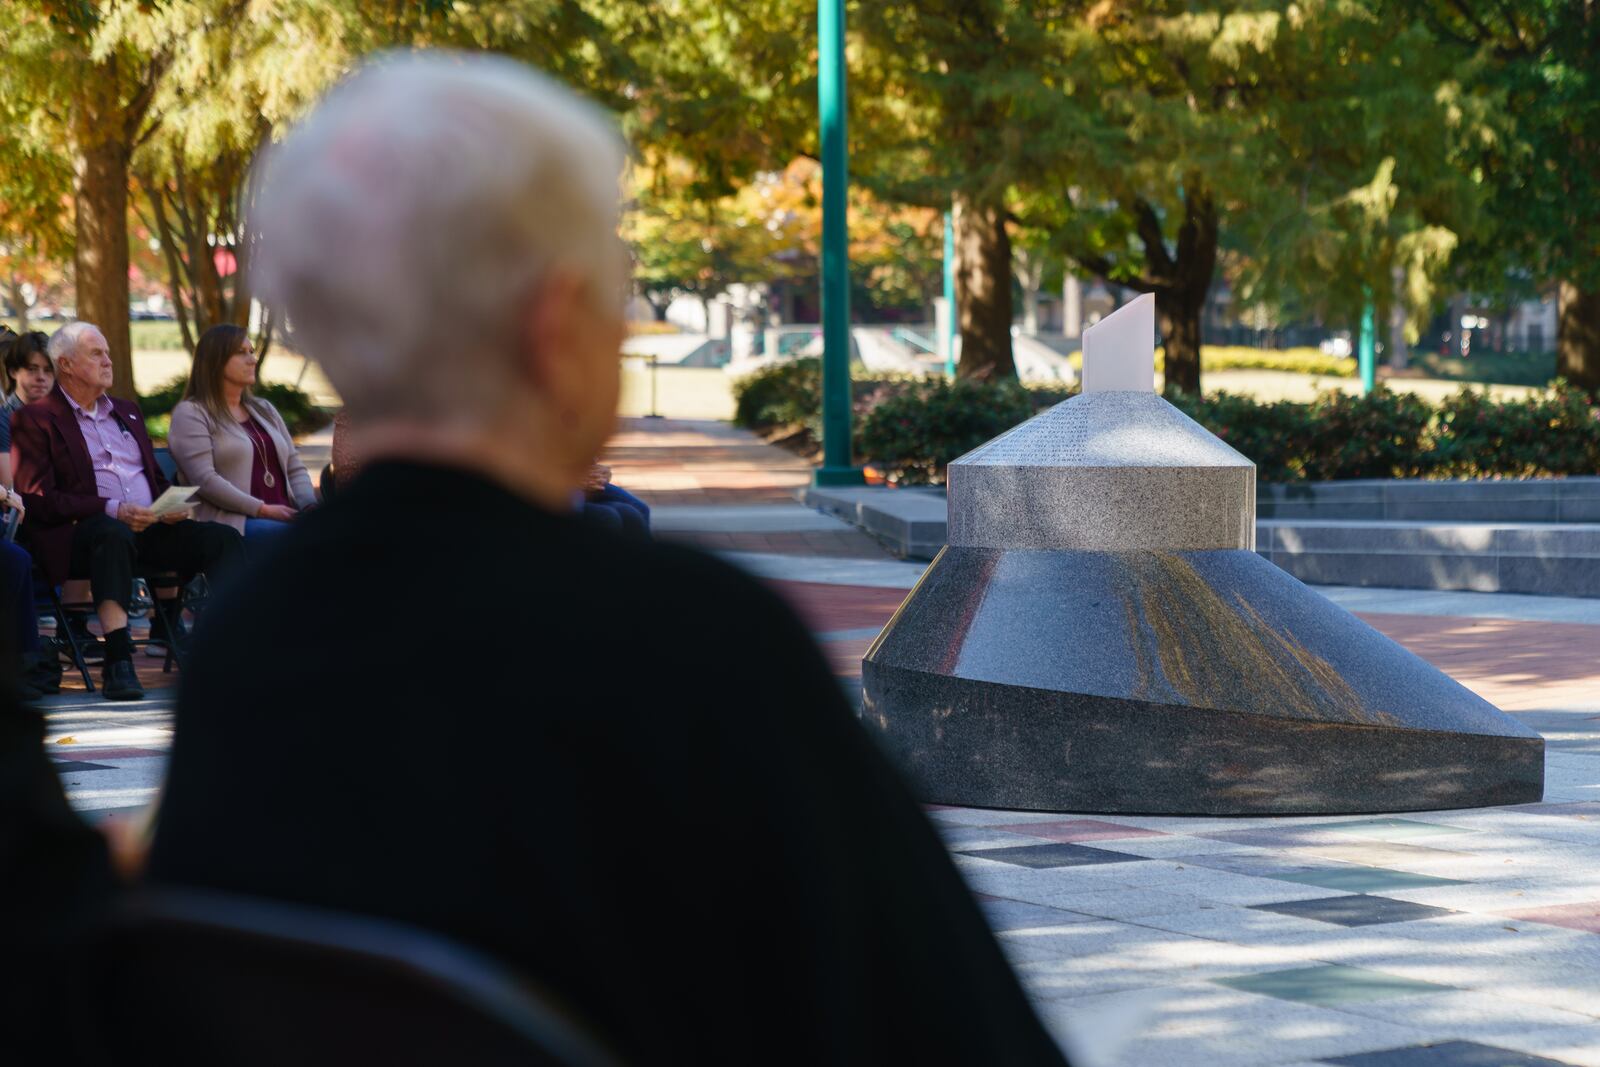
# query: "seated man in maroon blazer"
(86, 470)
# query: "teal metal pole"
(836, 468)
(949, 296)
(1365, 355)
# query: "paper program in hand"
(176, 498)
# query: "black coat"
(621, 766)
(55, 880)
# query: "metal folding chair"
(202, 977)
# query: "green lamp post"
(1366, 357)
(949, 338)
(836, 467)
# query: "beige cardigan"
(217, 459)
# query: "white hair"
(65, 341)
(405, 219)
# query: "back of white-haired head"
(406, 219)
(65, 341)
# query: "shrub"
(914, 434)
(165, 398)
(1552, 433)
(296, 407)
(917, 431)
(783, 394)
(1381, 435)
(913, 427)
(1272, 435)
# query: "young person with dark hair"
(28, 377)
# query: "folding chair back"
(198, 977)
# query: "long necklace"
(255, 443)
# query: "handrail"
(916, 340)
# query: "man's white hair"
(65, 341)
(405, 219)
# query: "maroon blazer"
(56, 479)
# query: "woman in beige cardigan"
(234, 446)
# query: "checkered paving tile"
(1584, 916)
(1330, 984)
(1055, 855)
(1356, 910)
(1389, 829)
(1445, 1054)
(1353, 879)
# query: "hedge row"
(296, 407)
(911, 428)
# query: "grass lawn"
(1510, 368)
(1269, 385)
(681, 392)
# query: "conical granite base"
(1172, 683)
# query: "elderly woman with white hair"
(442, 233)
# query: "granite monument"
(1099, 635)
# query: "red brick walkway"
(669, 462)
(1513, 664)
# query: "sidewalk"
(1371, 942)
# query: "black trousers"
(108, 552)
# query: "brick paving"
(1436, 938)
(671, 461)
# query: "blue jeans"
(619, 509)
(254, 528)
(16, 595)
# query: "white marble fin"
(1119, 351)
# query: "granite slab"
(1103, 471)
(1200, 682)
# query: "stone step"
(1556, 559)
(1417, 500)
(1547, 558)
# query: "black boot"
(93, 649)
(41, 672)
(162, 635)
(118, 680)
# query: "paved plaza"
(1432, 938)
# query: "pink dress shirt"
(114, 453)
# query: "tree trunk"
(1072, 306)
(1179, 311)
(983, 291)
(19, 306)
(1181, 305)
(1578, 336)
(1399, 348)
(100, 201)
